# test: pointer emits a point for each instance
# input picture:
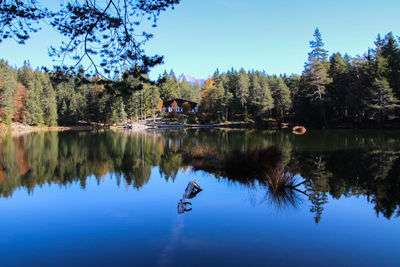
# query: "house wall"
(167, 106)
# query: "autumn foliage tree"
(212, 97)
(186, 107)
(174, 107)
(159, 105)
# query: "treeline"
(39, 97)
(335, 91)
(64, 97)
(331, 92)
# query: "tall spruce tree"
(382, 101)
(242, 91)
(316, 75)
(338, 90)
(391, 51)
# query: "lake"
(269, 198)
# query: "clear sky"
(200, 36)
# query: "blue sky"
(200, 36)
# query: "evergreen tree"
(7, 89)
(34, 113)
(316, 75)
(65, 92)
(25, 75)
(186, 91)
(153, 100)
(318, 53)
(227, 98)
(242, 91)
(281, 96)
(168, 86)
(391, 51)
(338, 90)
(383, 102)
(47, 96)
(260, 99)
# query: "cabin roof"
(179, 100)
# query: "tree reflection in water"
(258, 166)
(336, 164)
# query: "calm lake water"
(110, 198)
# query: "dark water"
(269, 199)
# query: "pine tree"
(227, 98)
(168, 86)
(391, 51)
(47, 98)
(338, 90)
(34, 113)
(383, 102)
(318, 53)
(281, 96)
(316, 75)
(25, 75)
(7, 90)
(65, 92)
(242, 90)
(260, 99)
(154, 100)
(185, 90)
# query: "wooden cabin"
(168, 106)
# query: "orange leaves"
(159, 105)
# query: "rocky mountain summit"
(190, 80)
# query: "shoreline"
(31, 129)
(23, 129)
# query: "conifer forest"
(334, 91)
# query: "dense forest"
(335, 91)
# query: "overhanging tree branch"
(105, 32)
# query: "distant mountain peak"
(190, 80)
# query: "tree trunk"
(323, 114)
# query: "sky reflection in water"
(111, 199)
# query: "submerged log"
(182, 206)
(192, 189)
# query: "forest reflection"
(314, 166)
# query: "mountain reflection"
(336, 164)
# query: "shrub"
(186, 107)
(6, 118)
(192, 119)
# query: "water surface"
(110, 198)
